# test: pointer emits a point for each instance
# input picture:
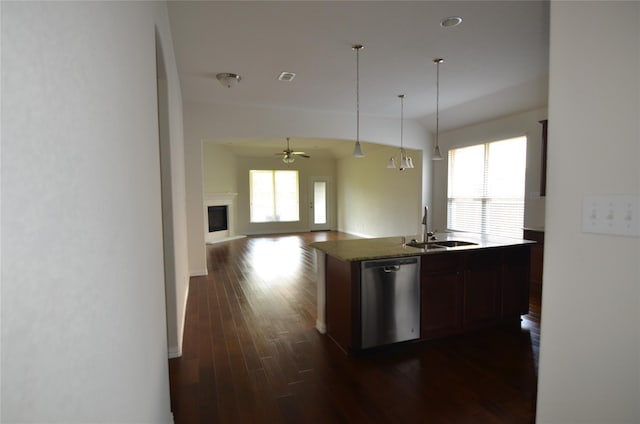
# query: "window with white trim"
(486, 188)
(274, 196)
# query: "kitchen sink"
(453, 243)
(424, 245)
(439, 244)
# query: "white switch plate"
(615, 214)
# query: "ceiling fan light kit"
(289, 156)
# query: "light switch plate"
(614, 214)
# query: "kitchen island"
(466, 282)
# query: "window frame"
(276, 202)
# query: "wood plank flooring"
(251, 354)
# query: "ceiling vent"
(287, 76)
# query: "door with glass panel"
(320, 203)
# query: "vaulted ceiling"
(496, 61)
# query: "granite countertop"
(391, 247)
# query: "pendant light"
(357, 151)
(405, 161)
(436, 150)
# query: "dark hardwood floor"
(251, 354)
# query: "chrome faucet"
(426, 234)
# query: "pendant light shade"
(436, 151)
(391, 163)
(436, 154)
(357, 150)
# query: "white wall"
(498, 129)
(375, 201)
(83, 301)
(590, 338)
(218, 123)
(219, 169)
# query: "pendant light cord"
(438, 99)
(437, 61)
(357, 49)
(401, 120)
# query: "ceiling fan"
(288, 155)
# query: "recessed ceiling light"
(286, 76)
(451, 21)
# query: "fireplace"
(218, 218)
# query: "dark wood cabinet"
(515, 287)
(441, 295)
(543, 159)
(537, 255)
(459, 291)
(481, 288)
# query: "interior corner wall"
(179, 278)
(498, 129)
(590, 342)
(83, 327)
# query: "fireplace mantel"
(220, 199)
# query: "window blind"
(486, 187)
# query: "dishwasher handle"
(391, 268)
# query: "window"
(274, 196)
(486, 188)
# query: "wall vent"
(287, 76)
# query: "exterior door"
(320, 203)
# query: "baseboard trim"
(321, 327)
(175, 352)
(200, 273)
(222, 240)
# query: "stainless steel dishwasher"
(390, 300)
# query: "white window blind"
(486, 188)
(273, 196)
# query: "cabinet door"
(515, 283)
(481, 288)
(441, 294)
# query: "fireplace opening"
(218, 218)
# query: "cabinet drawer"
(440, 263)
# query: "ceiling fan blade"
(301, 154)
